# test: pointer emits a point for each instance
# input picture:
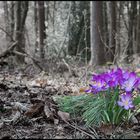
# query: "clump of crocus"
(114, 89)
(125, 81)
(111, 98)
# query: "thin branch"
(9, 50)
(34, 60)
(79, 129)
(7, 33)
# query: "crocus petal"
(128, 96)
(131, 105)
(132, 78)
(120, 103)
(88, 90)
(126, 107)
(123, 97)
(126, 75)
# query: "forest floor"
(28, 108)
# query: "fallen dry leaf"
(38, 83)
(107, 129)
(19, 106)
(41, 82)
(48, 112)
(56, 121)
(82, 89)
(35, 110)
(64, 116)
(15, 116)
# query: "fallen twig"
(79, 129)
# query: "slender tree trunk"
(118, 28)
(41, 28)
(105, 21)
(131, 14)
(54, 5)
(135, 26)
(47, 10)
(112, 30)
(6, 19)
(97, 48)
(138, 31)
(20, 14)
(12, 19)
(24, 13)
(47, 21)
(36, 25)
(72, 35)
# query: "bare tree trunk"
(138, 31)
(112, 30)
(47, 10)
(97, 48)
(12, 19)
(6, 19)
(41, 28)
(105, 21)
(118, 28)
(54, 5)
(36, 25)
(131, 14)
(135, 26)
(20, 14)
(47, 20)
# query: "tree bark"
(6, 19)
(105, 22)
(36, 26)
(131, 14)
(12, 19)
(20, 14)
(138, 31)
(96, 21)
(118, 30)
(112, 30)
(41, 28)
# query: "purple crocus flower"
(90, 90)
(125, 75)
(98, 84)
(114, 77)
(131, 83)
(126, 101)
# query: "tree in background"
(6, 20)
(36, 25)
(79, 28)
(96, 28)
(12, 18)
(132, 13)
(21, 9)
(42, 36)
(112, 29)
(137, 49)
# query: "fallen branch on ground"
(9, 50)
(35, 61)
